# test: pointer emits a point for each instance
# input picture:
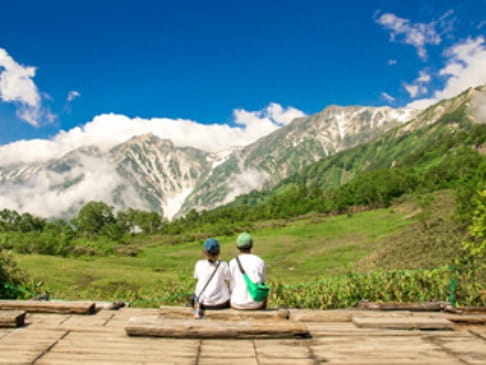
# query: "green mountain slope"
(443, 148)
(424, 142)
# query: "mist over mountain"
(147, 172)
(150, 173)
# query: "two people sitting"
(213, 276)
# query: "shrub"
(10, 276)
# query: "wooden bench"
(404, 323)
(225, 314)
(204, 328)
(10, 318)
(33, 306)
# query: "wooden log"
(225, 314)
(197, 328)
(470, 310)
(33, 306)
(340, 315)
(12, 318)
(418, 307)
(470, 319)
(404, 323)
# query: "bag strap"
(239, 265)
(207, 282)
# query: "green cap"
(244, 240)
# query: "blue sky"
(224, 62)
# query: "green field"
(302, 250)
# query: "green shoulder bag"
(259, 291)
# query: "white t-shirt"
(217, 291)
(255, 268)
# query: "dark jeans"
(204, 306)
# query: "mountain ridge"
(152, 173)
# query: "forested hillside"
(443, 148)
(437, 161)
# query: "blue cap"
(211, 246)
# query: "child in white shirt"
(212, 276)
(254, 266)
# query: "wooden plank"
(281, 351)
(12, 318)
(382, 358)
(479, 332)
(225, 361)
(379, 350)
(404, 323)
(52, 357)
(470, 310)
(194, 328)
(100, 319)
(307, 315)
(467, 318)
(318, 330)
(67, 361)
(228, 349)
(49, 307)
(418, 307)
(285, 361)
(470, 351)
(225, 314)
(340, 315)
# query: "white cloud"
(387, 97)
(481, 24)
(392, 62)
(416, 34)
(465, 67)
(415, 89)
(108, 130)
(39, 196)
(17, 86)
(411, 89)
(73, 94)
(423, 77)
(273, 114)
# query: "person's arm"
(264, 272)
(196, 271)
(226, 272)
(232, 280)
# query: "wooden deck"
(100, 338)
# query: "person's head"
(211, 249)
(244, 242)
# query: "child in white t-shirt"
(212, 276)
(253, 266)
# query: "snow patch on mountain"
(174, 203)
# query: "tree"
(134, 220)
(93, 217)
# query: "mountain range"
(147, 172)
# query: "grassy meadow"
(299, 250)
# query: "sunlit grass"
(302, 250)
